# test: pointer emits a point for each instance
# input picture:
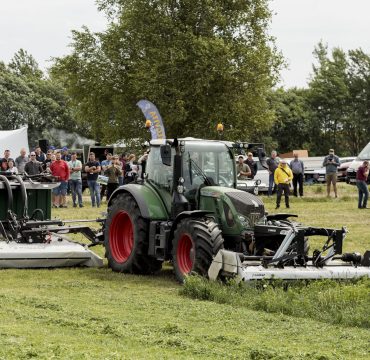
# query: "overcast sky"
(43, 28)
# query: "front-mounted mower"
(188, 210)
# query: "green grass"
(88, 313)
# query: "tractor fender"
(187, 214)
(149, 202)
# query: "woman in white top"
(11, 168)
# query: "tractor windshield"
(208, 163)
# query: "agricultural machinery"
(28, 238)
(187, 210)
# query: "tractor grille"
(247, 204)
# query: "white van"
(351, 171)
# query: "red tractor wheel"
(196, 242)
(126, 238)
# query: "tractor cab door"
(160, 176)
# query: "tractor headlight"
(180, 189)
(243, 220)
(181, 180)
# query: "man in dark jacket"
(33, 167)
(252, 165)
(297, 168)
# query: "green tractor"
(185, 210)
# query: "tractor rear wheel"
(196, 242)
(126, 238)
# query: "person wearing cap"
(113, 171)
(33, 167)
(242, 169)
(282, 177)
(331, 163)
(252, 164)
(65, 154)
(361, 182)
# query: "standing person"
(93, 169)
(297, 167)
(282, 177)
(47, 162)
(272, 163)
(113, 171)
(252, 164)
(331, 163)
(33, 167)
(242, 169)
(361, 182)
(21, 160)
(40, 156)
(7, 155)
(4, 165)
(130, 169)
(11, 168)
(123, 161)
(65, 154)
(59, 168)
(142, 162)
(75, 181)
(104, 166)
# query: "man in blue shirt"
(331, 163)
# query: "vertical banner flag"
(151, 113)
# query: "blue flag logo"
(151, 113)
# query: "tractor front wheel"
(126, 238)
(196, 242)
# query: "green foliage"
(26, 98)
(333, 112)
(199, 62)
(344, 303)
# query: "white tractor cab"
(351, 171)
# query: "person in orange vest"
(282, 177)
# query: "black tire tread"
(208, 240)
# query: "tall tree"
(329, 99)
(200, 62)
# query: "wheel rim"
(121, 237)
(185, 254)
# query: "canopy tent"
(13, 140)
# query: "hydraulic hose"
(24, 196)
(5, 180)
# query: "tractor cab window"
(209, 164)
(158, 173)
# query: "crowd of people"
(102, 177)
(282, 175)
(105, 176)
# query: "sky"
(43, 28)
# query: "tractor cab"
(198, 164)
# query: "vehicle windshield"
(365, 153)
(208, 163)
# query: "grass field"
(87, 313)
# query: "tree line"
(201, 63)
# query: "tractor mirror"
(166, 154)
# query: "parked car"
(318, 175)
(356, 163)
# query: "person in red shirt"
(361, 182)
(60, 169)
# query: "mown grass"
(85, 313)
